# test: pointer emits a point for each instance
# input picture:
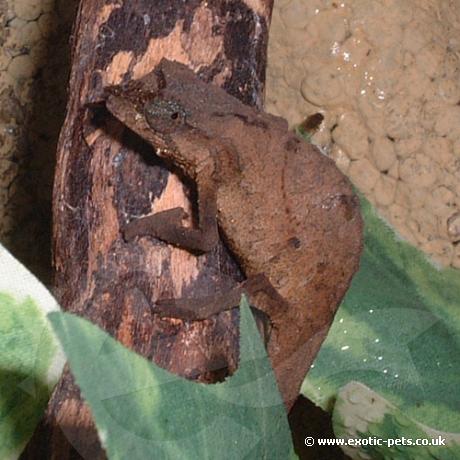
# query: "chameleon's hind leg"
(262, 295)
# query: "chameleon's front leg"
(167, 225)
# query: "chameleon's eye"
(164, 116)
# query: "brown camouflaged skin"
(284, 208)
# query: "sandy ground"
(386, 76)
(34, 61)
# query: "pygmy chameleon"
(286, 212)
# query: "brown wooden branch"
(106, 175)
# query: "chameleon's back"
(293, 216)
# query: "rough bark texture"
(105, 174)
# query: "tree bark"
(106, 175)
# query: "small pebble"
(363, 174)
(27, 9)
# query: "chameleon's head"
(169, 108)
(164, 104)
(172, 109)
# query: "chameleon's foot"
(154, 225)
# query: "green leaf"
(397, 332)
(142, 411)
(31, 360)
